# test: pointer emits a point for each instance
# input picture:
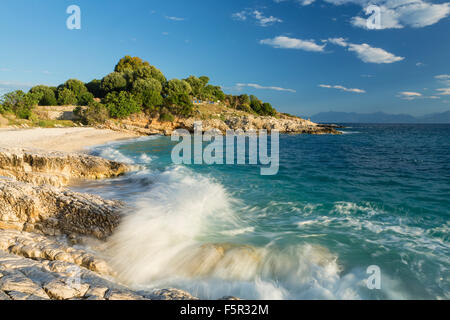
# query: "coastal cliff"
(44, 228)
(145, 125)
(55, 168)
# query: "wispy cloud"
(366, 52)
(443, 91)
(283, 42)
(259, 17)
(409, 95)
(260, 87)
(342, 88)
(174, 18)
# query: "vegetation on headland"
(134, 86)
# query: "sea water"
(378, 195)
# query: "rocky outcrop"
(144, 125)
(53, 211)
(33, 267)
(55, 168)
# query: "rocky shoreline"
(44, 226)
(144, 125)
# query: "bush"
(94, 87)
(93, 114)
(20, 104)
(115, 81)
(166, 116)
(130, 63)
(121, 104)
(142, 85)
(48, 95)
(76, 86)
(213, 93)
(66, 97)
(85, 99)
(176, 87)
(267, 110)
(180, 104)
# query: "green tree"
(213, 93)
(176, 87)
(179, 104)
(66, 97)
(244, 99)
(255, 104)
(76, 86)
(130, 63)
(143, 85)
(267, 110)
(94, 87)
(149, 72)
(93, 114)
(121, 104)
(196, 84)
(85, 99)
(204, 80)
(114, 81)
(20, 103)
(48, 95)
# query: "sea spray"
(174, 237)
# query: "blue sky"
(303, 56)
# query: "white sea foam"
(173, 238)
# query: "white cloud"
(283, 42)
(338, 41)
(257, 86)
(365, 52)
(261, 20)
(409, 95)
(174, 18)
(420, 64)
(370, 54)
(444, 79)
(339, 87)
(400, 13)
(443, 91)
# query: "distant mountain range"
(379, 117)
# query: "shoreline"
(60, 139)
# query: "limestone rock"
(55, 168)
(53, 211)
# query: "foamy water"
(220, 231)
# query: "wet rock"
(55, 168)
(53, 211)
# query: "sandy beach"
(59, 139)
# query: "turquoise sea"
(376, 195)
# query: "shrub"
(76, 86)
(176, 87)
(66, 97)
(142, 85)
(20, 104)
(93, 114)
(85, 99)
(121, 104)
(130, 63)
(166, 116)
(94, 87)
(179, 104)
(115, 81)
(48, 95)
